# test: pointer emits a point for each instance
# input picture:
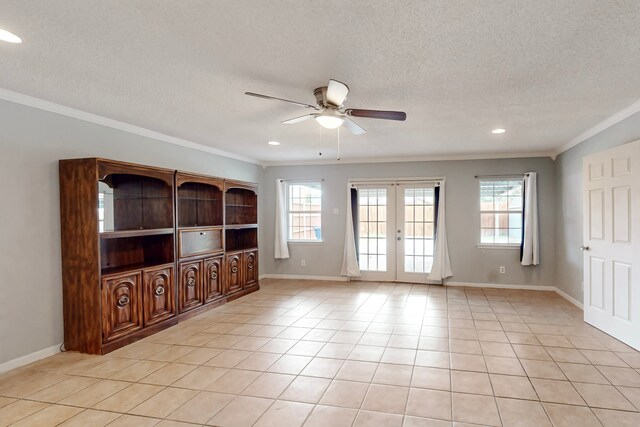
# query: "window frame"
(288, 211)
(497, 245)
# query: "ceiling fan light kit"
(330, 113)
(329, 121)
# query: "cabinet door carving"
(121, 306)
(190, 285)
(250, 264)
(213, 280)
(234, 273)
(158, 294)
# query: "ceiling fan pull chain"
(338, 144)
(320, 152)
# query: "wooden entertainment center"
(144, 247)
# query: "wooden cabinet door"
(234, 273)
(121, 305)
(250, 265)
(213, 283)
(190, 288)
(158, 295)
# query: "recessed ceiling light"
(6, 36)
(273, 143)
(499, 130)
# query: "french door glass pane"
(373, 229)
(418, 229)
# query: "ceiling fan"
(330, 112)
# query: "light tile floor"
(347, 354)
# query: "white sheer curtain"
(530, 242)
(281, 249)
(350, 266)
(441, 262)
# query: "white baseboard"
(569, 298)
(29, 358)
(303, 277)
(501, 286)
(454, 284)
(522, 287)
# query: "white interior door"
(612, 242)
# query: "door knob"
(585, 248)
(399, 238)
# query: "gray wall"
(470, 264)
(569, 201)
(31, 143)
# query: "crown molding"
(602, 126)
(52, 107)
(489, 156)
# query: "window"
(304, 211)
(501, 212)
(372, 235)
(419, 224)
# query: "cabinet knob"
(250, 266)
(214, 275)
(191, 282)
(234, 269)
(159, 290)
(123, 300)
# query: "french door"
(396, 230)
(611, 243)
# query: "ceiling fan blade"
(353, 127)
(336, 93)
(377, 114)
(258, 95)
(298, 119)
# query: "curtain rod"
(302, 180)
(511, 175)
(435, 182)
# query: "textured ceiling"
(546, 70)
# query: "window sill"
(304, 241)
(503, 246)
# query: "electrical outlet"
(502, 269)
(303, 262)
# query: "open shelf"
(241, 239)
(128, 201)
(199, 205)
(241, 206)
(124, 253)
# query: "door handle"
(585, 248)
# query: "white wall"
(470, 264)
(569, 201)
(31, 143)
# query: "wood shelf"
(135, 233)
(240, 226)
(198, 227)
(132, 268)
